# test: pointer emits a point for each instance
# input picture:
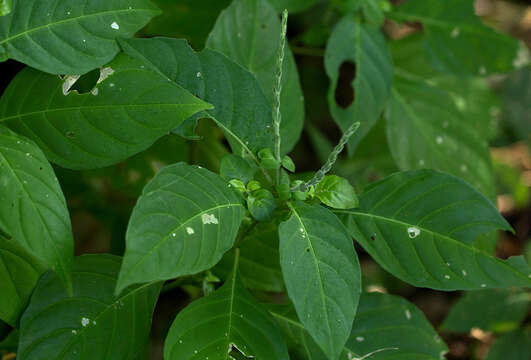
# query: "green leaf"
(425, 129)
(322, 274)
(293, 6)
(268, 160)
(248, 32)
(185, 220)
(261, 204)
(512, 346)
(229, 319)
(498, 310)
(234, 167)
(65, 37)
(386, 326)
(216, 79)
(421, 226)
(19, 273)
(75, 131)
(33, 212)
(516, 94)
(259, 266)
(364, 46)
(288, 164)
(373, 10)
(5, 7)
(92, 323)
(452, 32)
(336, 192)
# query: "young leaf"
(363, 46)
(234, 167)
(92, 323)
(513, 346)
(5, 7)
(261, 204)
(185, 220)
(226, 321)
(240, 107)
(421, 226)
(452, 32)
(128, 110)
(259, 266)
(33, 211)
(498, 310)
(19, 273)
(386, 327)
(336, 192)
(322, 274)
(65, 37)
(248, 32)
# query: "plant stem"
(277, 116)
(332, 158)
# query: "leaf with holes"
(322, 274)
(226, 322)
(19, 273)
(365, 47)
(421, 226)
(386, 327)
(33, 211)
(185, 220)
(65, 37)
(241, 109)
(259, 266)
(452, 32)
(92, 323)
(498, 310)
(248, 32)
(127, 111)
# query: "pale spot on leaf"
(413, 232)
(209, 219)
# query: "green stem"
(277, 116)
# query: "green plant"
(245, 225)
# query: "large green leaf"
(128, 110)
(497, 310)
(92, 323)
(19, 273)
(33, 209)
(70, 37)
(453, 32)
(229, 320)
(421, 226)
(364, 46)
(259, 259)
(513, 346)
(240, 107)
(426, 129)
(248, 32)
(185, 220)
(386, 327)
(322, 274)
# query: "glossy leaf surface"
(336, 192)
(92, 323)
(364, 47)
(33, 210)
(421, 226)
(185, 220)
(70, 37)
(322, 274)
(124, 114)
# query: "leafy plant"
(232, 224)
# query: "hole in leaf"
(70, 134)
(373, 237)
(237, 354)
(86, 82)
(308, 250)
(344, 93)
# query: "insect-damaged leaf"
(33, 209)
(70, 37)
(229, 320)
(92, 323)
(185, 220)
(128, 110)
(322, 274)
(421, 227)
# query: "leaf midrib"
(73, 19)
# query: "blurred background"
(100, 201)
